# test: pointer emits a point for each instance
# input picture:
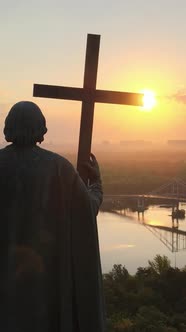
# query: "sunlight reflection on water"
(128, 241)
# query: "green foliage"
(125, 324)
(150, 319)
(153, 300)
(160, 264)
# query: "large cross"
(88, 95)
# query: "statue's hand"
(92, 168)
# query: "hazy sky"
(143, 46)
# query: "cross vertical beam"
(88, 95)
(87, 111)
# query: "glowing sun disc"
(149, 100)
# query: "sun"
(149, 100)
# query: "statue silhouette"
(50, 272)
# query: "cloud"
(180, 96)
(119, 247)
(123, 246)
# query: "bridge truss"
(173, 238)
(175, 188)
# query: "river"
(131, 242)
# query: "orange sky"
(141, 48)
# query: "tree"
(150, 319)
(183, 269)
(152, 300)
(124, 325)
(119, 273)
(159, 264)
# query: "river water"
(131, 242)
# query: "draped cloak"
(50, 274)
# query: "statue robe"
(50, 274)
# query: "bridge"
(174, 191)
(172, 237)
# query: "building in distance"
(135, 143)
(177, 143)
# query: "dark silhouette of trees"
(154, 299)
(160, 264)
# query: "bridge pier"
(123, 211)
(175, 206)
(173, 223)
(141, 204)
(141, 215)
(176, 212)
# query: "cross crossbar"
(88, 95)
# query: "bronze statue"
(50, 272)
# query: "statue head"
(25, 124)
